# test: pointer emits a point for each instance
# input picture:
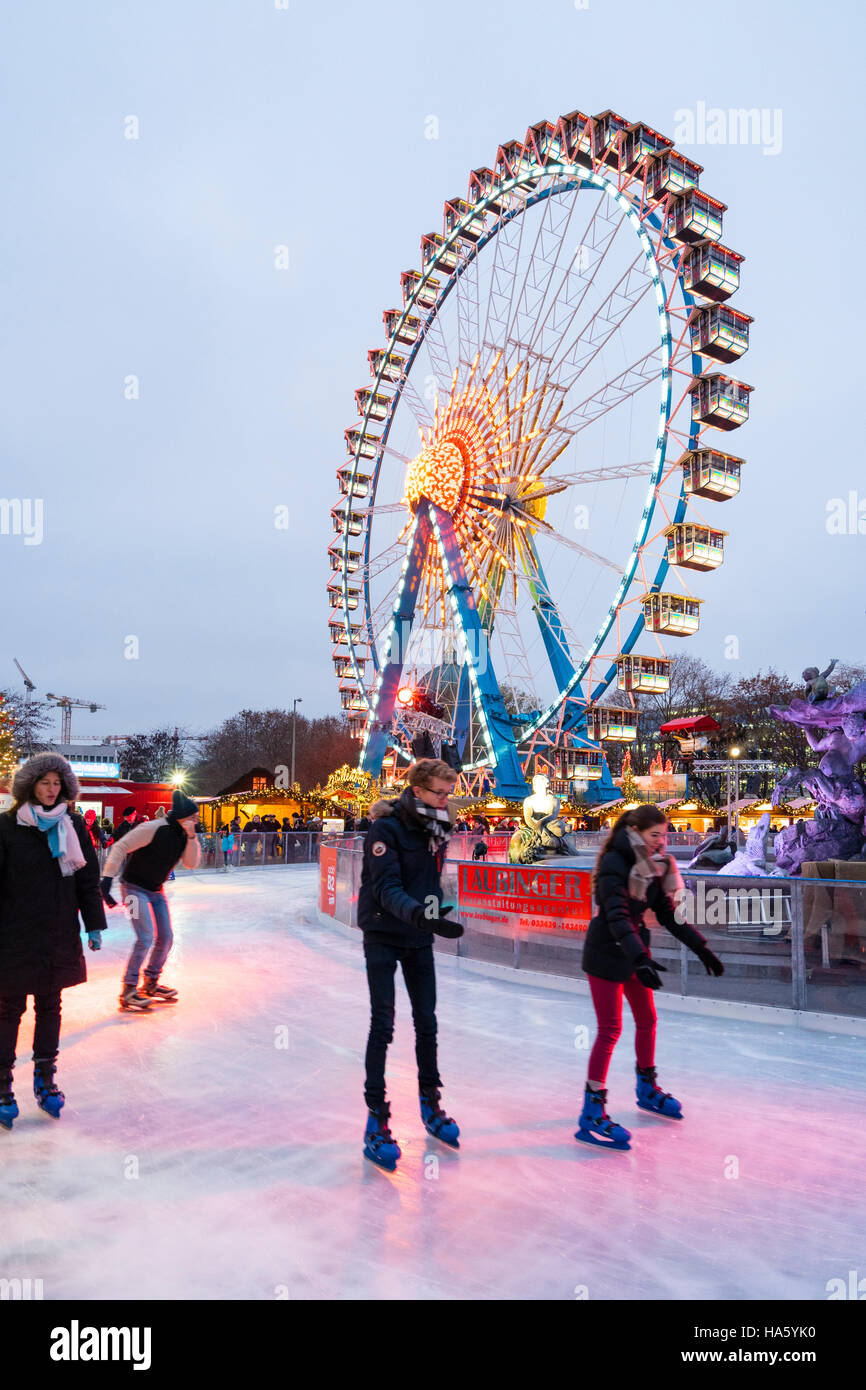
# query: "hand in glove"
(437, 924)
(710, 962)
(647, 973)
(94, 940)
(105, 889)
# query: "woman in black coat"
(633, 875)
(48, 874)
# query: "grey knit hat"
(29, 773)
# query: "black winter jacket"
(40, 937)
(617, 939)
(399, 875)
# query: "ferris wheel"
(530, 456)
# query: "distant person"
(94, 830)
(128, 821)
(227, 844)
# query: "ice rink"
(212, 1149)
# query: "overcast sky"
(258, 126)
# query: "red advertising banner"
(328, 879)
(527, 898)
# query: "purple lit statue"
(835, 727)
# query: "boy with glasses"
(399, 909)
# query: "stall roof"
(114, 790)
(696, 723)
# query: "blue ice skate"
(596, 1127)
(8, 1104)
(650, 1097)
(436, 1122)
(48, 1098)
(379, 1143)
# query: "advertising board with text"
(507, 899)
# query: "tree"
(153, 756)
(695, 689)
(29, 719)
(8, 753)
(263, 738)
(517, 701)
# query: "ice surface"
(198, 1158)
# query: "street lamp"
(733, 754)
(295, 704)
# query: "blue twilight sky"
(305, 125)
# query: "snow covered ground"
(213, 1149)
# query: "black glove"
(710, 962)
(647, 973)
(437, 924)
(105, 889)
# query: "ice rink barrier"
(792, 944)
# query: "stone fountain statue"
(542, 832)
(835, 726)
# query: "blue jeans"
(152, 926)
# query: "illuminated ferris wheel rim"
(562, 176)
(571, 183)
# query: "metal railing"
(793, 943)
(256, 849)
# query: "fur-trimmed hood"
(28, 775)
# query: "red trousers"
(607, 1001)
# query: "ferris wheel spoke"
(578, 279)
(608, 319)
(551, 534)
(642, 373)
(420, 409)
(541, 263)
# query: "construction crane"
(67, 704)
(28, 684)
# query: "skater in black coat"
(48, 875)
(399, 907)
(633, 876)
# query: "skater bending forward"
(633, 874)
(399, 909)
(144, 859)
(49, 873)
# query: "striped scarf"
(438, 823)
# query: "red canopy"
(697, 723)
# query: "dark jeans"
(46, 1036)
(419, 972)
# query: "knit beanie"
(182, 805)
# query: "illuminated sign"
(82, 769)
(517, 898)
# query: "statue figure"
(751, 862)
(626, 763)
(817, 682)
(713, 851)
(836, 727)
(541, 814)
